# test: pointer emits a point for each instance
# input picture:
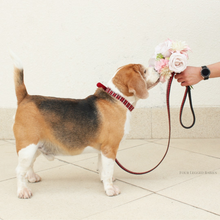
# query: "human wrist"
(205, 72)
(198, 73)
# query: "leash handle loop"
(187, 92)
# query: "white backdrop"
(68, 46)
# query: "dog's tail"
(20, 89)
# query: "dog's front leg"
(107, 176)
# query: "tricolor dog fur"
(63, 126)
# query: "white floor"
(185, 186)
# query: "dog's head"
(135, 80)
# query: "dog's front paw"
(24, 193)
(112, 191)
(33, 178)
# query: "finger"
(180, 80)
(178, 75)
(184, 84)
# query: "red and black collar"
(117, 96)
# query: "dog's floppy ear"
(137, 84)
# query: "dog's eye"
(145, 71)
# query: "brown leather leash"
(187, 92)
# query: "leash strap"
(188, 91)
(168, 145)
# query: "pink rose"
(177, 62)
(160, 64)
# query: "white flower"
(177, 62)
(179, 46)
(163, 48)
(165, 74)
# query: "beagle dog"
(63, 126)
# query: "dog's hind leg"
(26, 158)
(31, 175)
(99, 167)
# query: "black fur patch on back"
(75, 122)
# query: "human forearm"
(214, 69)
(192, 75)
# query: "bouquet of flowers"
(170, 56)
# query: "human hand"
(190, 76)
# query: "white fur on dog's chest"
(131, 99)
(127, 123)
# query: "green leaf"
(159, 56)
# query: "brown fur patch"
(20, 88)
(112, 127)
(28, 125)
